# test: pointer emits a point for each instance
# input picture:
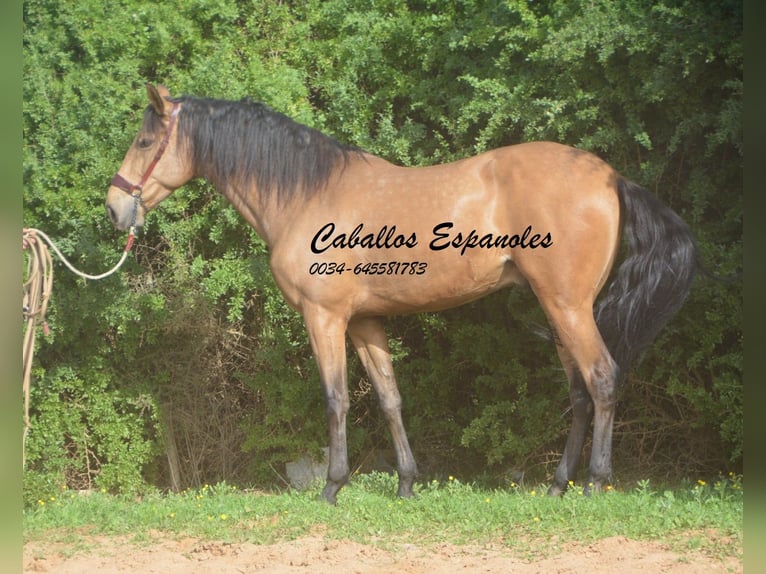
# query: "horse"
(354, 238)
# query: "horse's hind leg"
(369, 338)
(593, 372)
(582, 413)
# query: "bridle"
(136, 189)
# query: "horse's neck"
(265, 217)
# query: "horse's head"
(152, 168)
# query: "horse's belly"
(437, 287)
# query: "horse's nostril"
(112, 215)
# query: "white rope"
(36, 292)
(71, 267)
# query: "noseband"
(136, 189)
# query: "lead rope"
(36, 293)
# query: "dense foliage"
(188, 367)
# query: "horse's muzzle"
(124, 212)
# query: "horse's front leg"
(327, 336)
(369, 338)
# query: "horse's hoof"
(556, 490)
(405, 489)
(329, 493)
(595, 487)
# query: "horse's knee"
(391, 405)
(602, 383)
(582, 403)
(337, 405)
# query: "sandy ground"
(315, 555)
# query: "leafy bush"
(85, 435)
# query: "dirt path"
(110, 555)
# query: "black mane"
(235, 144)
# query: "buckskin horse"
(353, 238)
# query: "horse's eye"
(144, 143)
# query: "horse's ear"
(159, 98)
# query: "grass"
(695, 517)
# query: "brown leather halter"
(136, 189)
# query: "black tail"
(653, 281)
